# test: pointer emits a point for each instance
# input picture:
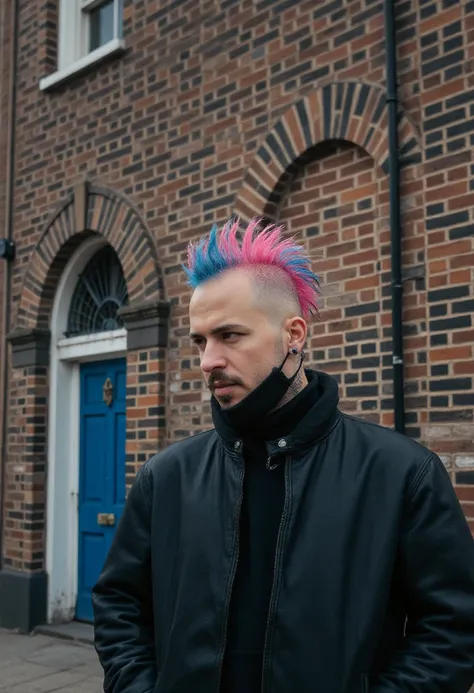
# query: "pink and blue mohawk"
(222, 250)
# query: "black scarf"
(250, 413)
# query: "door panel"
(119, 488)
(101, 472)
(93, 475)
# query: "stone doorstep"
(75, 631)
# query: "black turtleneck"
(262, 507)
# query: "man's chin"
(228, 400)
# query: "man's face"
(238, 344)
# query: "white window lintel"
(90, 4)
(83, 347)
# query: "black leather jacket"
(374, 572)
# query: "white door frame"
(66, 355)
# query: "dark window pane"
(100, 291)
(101, 24)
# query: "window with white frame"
(87, 27)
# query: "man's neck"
(295, 388)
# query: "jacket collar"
(313, 426)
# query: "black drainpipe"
(8, 264)
(395, 220)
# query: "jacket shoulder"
(187, 448)
(381, 443)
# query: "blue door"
(101, 470)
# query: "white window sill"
(114, 47)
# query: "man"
(293, 549)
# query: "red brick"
(450, 353)
(439, 20)
(463, 367)
(463, 337)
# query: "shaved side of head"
(275, 293)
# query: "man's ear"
(297, 332)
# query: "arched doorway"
(86, 457)
(50, 344)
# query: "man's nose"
(212, 358)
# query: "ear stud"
(293, 351)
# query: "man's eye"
(230, 335)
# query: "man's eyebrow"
(229, 327)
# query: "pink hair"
(223, 249)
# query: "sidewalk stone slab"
(21, 672)
(44, 664)
(80, 632)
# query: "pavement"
(47, 664)
(65, 662)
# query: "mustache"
(222, 378)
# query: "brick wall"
(201, 118)
(334, 203)
(5, 53)
(446, 44)
(145, 407)
(25, 482)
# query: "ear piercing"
(293, 351)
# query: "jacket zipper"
(278, 553)
(233, 573)
(271, 466)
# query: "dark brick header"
(351, 111)
(89, 209)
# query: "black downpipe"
(395, 218)
(8, 264)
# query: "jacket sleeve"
(122, 601)
(437, 558)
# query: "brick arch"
(352, 111)
(89, 210)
